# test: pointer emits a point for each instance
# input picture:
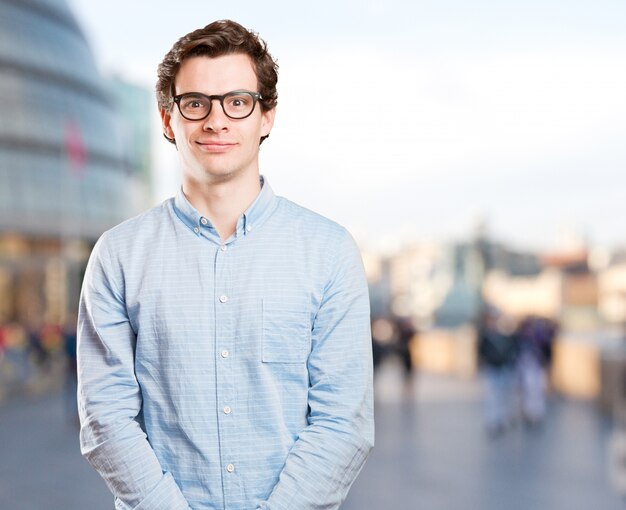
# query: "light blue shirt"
(229, 375)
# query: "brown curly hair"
(219, 38)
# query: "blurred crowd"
(34, 356)
(514, 358)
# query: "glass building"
(66, 171)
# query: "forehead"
(216, 75)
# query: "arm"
(109, 398)
(331, 450)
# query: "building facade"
(66, 174)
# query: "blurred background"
(476, 151)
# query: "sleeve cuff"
(165, 496)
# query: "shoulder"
(137, 227)
(319, 239)
(295, 216)
(134, 237)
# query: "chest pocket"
(286, 334)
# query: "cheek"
(177, 127)
(183, 131)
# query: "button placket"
(224, 344)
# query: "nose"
(217, 119)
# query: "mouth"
(215, 147)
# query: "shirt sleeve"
(109, 398)
(331, 450)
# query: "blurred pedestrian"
(406, 338)
(19, 366)
(224, 348)
(384, 338)
(535, 338)
(3, 341)
(497, 353)
(36, 348)
(71, 378)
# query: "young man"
(224, 351)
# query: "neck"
(223, 202)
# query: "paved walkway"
(431, 454)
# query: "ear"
(166, 122)
(267, 121)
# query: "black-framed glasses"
(237, 104)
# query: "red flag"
(75, 147)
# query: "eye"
(192, 103)
(239, 101)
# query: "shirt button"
(223, 247)
(248, 228)
(203, 221)
(230, 468)
(227, 410)
(225, 353)
(196, 229)
(223, 299)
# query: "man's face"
(217, 148)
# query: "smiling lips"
(215, 146)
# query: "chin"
(221, 174)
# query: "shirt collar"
(252, 218)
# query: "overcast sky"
(414, 120)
